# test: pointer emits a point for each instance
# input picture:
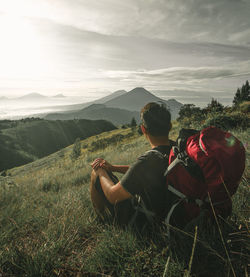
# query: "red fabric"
(221, 157)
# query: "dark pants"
(120, 212)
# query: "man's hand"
(113, 192)
(101, 163)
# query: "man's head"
(156, 119)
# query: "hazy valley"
(62, 107)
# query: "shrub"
(228, 122)
(76, 151)
(49, 185)
(245, 107)
(133, 123)
(190, 116)
(214, 107)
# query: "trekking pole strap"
(176, 192)
(199, 202)
(167, 220)
(141, 207)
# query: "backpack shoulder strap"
(165, 156)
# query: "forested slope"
(26, 140)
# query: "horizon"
(91, 49)
(39, 105)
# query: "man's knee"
(93, 176)
(97, 199)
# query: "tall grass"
(48, 227)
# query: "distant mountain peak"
(139, 89)
(60, 95)
(120, 91)
(142, 92)
(137, 98)
(33, 95)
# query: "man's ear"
(143, 129)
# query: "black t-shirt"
(145, 178)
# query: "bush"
(190, 116)
(227, 122)
(76, 151)
(245, 107)
(49, 185)
(133, 124)
(213, 107)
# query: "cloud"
(182, 77)
(242, 36)
(115, 43)
(115, 52)
(187, 73)
(173, 20)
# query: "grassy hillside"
(26, 140)
(48, 227)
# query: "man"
(140, 197)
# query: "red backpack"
(205, 168)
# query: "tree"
(246, 92)
(190, 116)
(133, 123)
(189, 111)
(242, 94)
(237, 97)
(214, 107)
(76, 151)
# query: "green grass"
(48, 226)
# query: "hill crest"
(32, 96)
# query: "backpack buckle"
(196, 201)
(183, 156)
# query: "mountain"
(135, 99)
(77, 107)
(32, 96)
(98, 111)
(60, 95)
(23, 141)
(3, 98)
(121, 103)
(174, 106)
(110, 96)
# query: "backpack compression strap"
(141, 207)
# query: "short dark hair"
(156, 118)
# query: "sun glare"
(21, 53)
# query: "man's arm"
(99, 162)
(120, 168)
(115, 193)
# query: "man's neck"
(157, 141)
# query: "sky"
(92, 48)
